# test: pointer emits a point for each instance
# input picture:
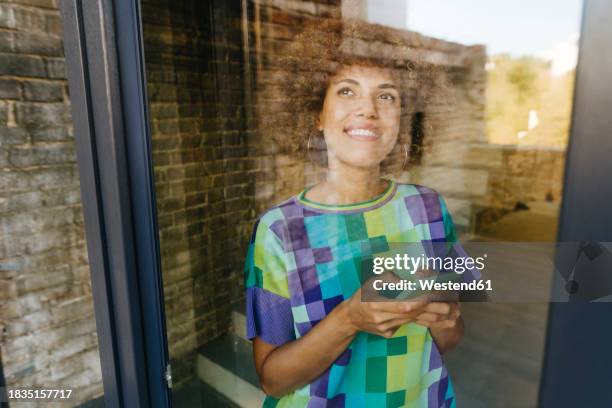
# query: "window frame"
(105, 63)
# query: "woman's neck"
(345, 185)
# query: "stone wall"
(212, 171)
(527, 174)
(519, 177)
(272, 26)
(47, 328)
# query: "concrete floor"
(196, 394)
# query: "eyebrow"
(381, 86)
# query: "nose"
(367, 108)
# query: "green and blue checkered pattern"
(304, 259)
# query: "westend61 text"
(429, 285)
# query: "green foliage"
(516, 86)
(522, 75)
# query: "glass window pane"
(479, 112)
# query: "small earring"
(308, 156)
(405, 156)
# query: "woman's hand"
(440, 315)
(444, 322)
(381, 318)
(320, 347)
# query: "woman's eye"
(387, 97)
(346, 91)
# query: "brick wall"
(47, 326)
(532, 175)
(204, 194)
(528, 174)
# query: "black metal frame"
(3, 394)
(105, 63)
(576, 371)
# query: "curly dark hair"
(323, 47)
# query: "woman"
(315, 342)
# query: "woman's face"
(361, 115)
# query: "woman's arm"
(282, 369)
(447, 338)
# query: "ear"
(319, 123)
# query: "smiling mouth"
(361, 134)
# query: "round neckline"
(358, 206)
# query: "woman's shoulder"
(419, 198)
(409, 189)
(274, 218)
(277, 211)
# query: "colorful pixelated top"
(303, 260)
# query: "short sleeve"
(268, 307)
(454, 247)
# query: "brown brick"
(7, 16)
(38, 115)
(37, 44)
(33, 19)
(9, 89)
(22, 65)
(43, 91)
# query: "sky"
(517, 27)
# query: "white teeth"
(361, 132)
